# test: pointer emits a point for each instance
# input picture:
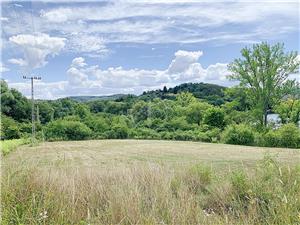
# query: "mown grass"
(151, 193)
(10, 145)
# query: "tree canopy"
(264, 70)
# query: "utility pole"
(32, 105)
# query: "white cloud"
(3, 68)
(76, 77)
(58, 15)
(93, 45)
(210, 14)
(182, 61)
(184, 68)
(84, 79)
(18, 5)
(4, 19)
(20, 62)
(126, 21)
(78, 62)
(217, 71)
(37, 47)
(43, 90)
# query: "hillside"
(92, 98)
(212, 93)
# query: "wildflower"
(43, 215)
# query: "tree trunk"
(266, 118)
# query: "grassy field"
(113, 153)
(150, 182)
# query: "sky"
(122, 46)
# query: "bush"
(213, 135)
(183, 136)
(270, 139)
(118, 131)
(288, 136)
(146, 133)
(214, 117)
(67, 130)
(203, 136)
(97, 124)
(177, 123)
(9, 128)
(240, 134)
(166, 135)
(10, 145)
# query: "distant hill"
(212, 93)
(91, 98)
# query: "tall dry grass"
(151, 194)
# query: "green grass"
(150, 182)
(9, 145)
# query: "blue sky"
(103, 48)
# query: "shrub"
(203, 136)
(288, 136)
(271, 139)
(213, 134)
(214, 117)
(177, 123)
(166, 135)
(9, 128)
(9, 145)
(240, 134)
(118, 131)
(181, 135)
(146, 133)
(67, 130)
(97, 124)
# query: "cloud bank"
(84, 79)
(36, 48)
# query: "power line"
(32, 78)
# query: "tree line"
(192, 111)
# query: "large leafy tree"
(264, 70)
(14, 104)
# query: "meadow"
(150, 182)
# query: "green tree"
(96, 106)
(97, 124)
(237, 98)
(10, 129)
(214, 117)
(46, 112)
(63, 107)
(185, 98)
(289, 110)
(82, 110)
(14, 104)
(195, 112)
(67, 130)
(263, 70)
(118, 108)
(140, 111)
